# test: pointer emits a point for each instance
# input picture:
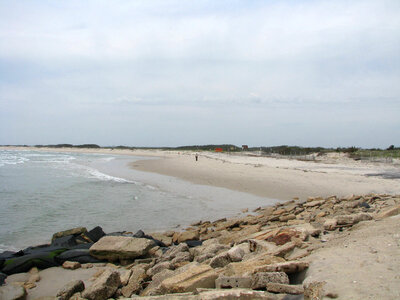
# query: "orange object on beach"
(218, 149)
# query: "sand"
(276, 178)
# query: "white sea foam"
(93, 173)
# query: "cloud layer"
(155, 73)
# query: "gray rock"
(220, 261)
(104, 286)
(12, 292)
(236, 254)
(166, 265)
(182, 257)
(134, 285)
(172, 252)
(71, 288)
(261, 279)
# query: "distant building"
(245, 147)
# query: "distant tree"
(391, 147)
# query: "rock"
(287, 267)
(166, 265)
(225, 282)
(287, 218)
(352, 219)
(71, 288)
(113, 248)
(155, 288)
(174, 251)
(71, 265)
(284, 249)
(261, 246)
(314, 290)
(29, 285)
(12, 292)
(221, 260)
(134, 285)
(307, 229)
(330, 224)
(167, 240)
(124, 275)
(388, 212)
(197, 276)
(182, 257)
(236, 254)
(73, 231)
(261, 279)
(104, 286)
(249, 266)
(187, 236)
(314, 203)
(230, 294)
(285, 288)
(34, 278)
(2, 278)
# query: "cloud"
(169, 62)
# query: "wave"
(93, 173)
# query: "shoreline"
(274, 178)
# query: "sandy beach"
(276, 178)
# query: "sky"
(171, 73)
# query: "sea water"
(45, 192)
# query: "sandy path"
(363, 263)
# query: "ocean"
(45, 192)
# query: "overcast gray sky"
(169, 73)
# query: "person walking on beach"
(197, 157)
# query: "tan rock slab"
(285, 288)
(113, 248)
(201, 276)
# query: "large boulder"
(114, 248)
(12, 292)
(104, 286)
(196, 276)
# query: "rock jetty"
(263, 255)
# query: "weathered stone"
(314, 203)
(162, 237)
(261, 279)
(124, 276)
(29, 285)
(172, 252)
(225, 282)
(221, 260)
(285, 288)
(134, 285)
(201, 276)
(69, 289)
(186, 236)
(12, 292)
(314, 290)
(166, 265)
(230, 294)
(330, 224)
(155, 288)
(287, 267)
(236, 253)
(284, 249)
(287, 217)
(261, 246)
(34, 278)
(247, 267)
(307, 229)
(104, 286)
(73, 231)
(71, 265)
(388, 212)
(182, 257)
(352, 219)
(113, 248)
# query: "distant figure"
(197, 157)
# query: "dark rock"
(2, 278)
(65, 241)
(364, 204)
(77, 255)
(193, 243)
(95, 234)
